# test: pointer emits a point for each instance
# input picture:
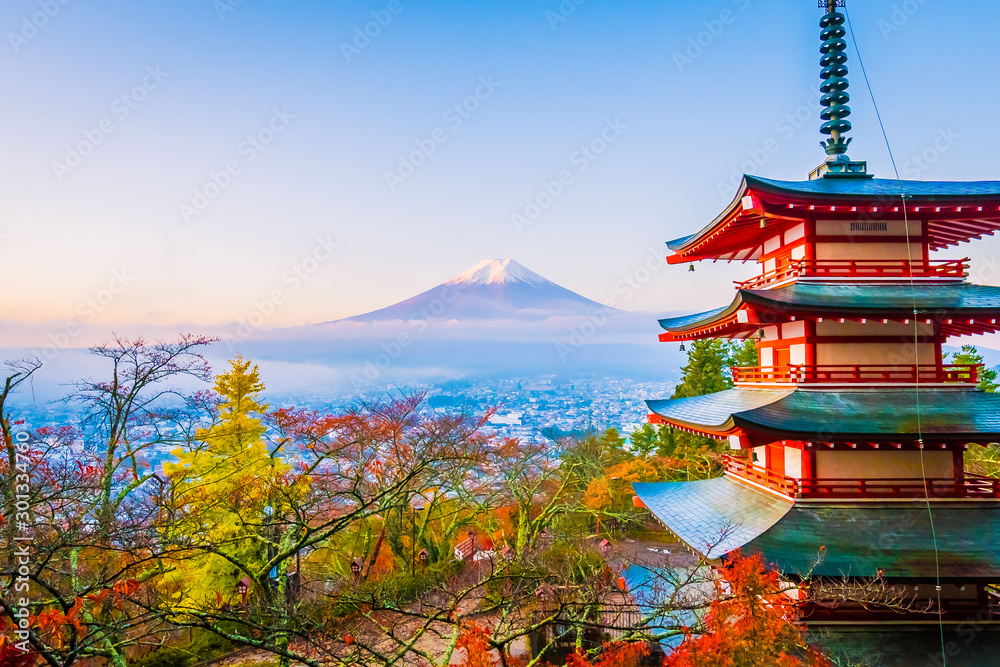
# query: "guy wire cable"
(916, 344)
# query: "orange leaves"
(121, 589)
(348, 639)
(125, 588)
(478, 652)
(598, 494)
(475, 641)
(99, 598)
(752, 624)
(617, 654)
(53, 622)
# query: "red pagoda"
(852, 430)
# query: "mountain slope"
(492, 289)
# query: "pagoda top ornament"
(835, 96)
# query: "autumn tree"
(94, 543)
(611, 493)
(220, 486)
(282, 499)
(750, 623)
(16, 373)
(706, 372)
(531, 480)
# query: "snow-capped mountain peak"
(494, 289)
(499, 272)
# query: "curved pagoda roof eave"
(876, 190)
(884, 539)
(714, 517)
(697, 320)
(871, 300)
(869, 414)
(678, 245)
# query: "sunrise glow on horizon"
(192, 159)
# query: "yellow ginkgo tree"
(223, 491)
(260, 492)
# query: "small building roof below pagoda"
(876, 301)
(956, 215)
(712, 516)
(896, 539)
(884, 414)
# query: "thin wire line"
(916, 345)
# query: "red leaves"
(99, 598)
(751, 622)
(53, 622)
(348, 639)
(475, 640)
(126, 588)
(86, 471)
(119, 591)
(11, 656)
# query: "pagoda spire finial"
(835, 83)
(835, 96)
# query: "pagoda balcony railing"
(857, 374)
(861, 269)
(966, 486)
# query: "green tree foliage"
(970, 355)
(707, 369)
(706, 372)
(978, 459)
(591, 454)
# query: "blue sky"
(300, 131)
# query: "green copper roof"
(962, 414)
(713, 516)
(970, 644)
(931, 192)
(717, 516)
(880, 299)
(859, 540)
(716, 410)
(856, 299)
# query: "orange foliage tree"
(479, 652)
(750, 623)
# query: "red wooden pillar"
(808, 461)
(810, 247)
(958, 463)
(810, 342)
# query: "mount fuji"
(491, 290)
(497, 319)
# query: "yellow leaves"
(239, 388)
(615, 488)
(598, 495)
